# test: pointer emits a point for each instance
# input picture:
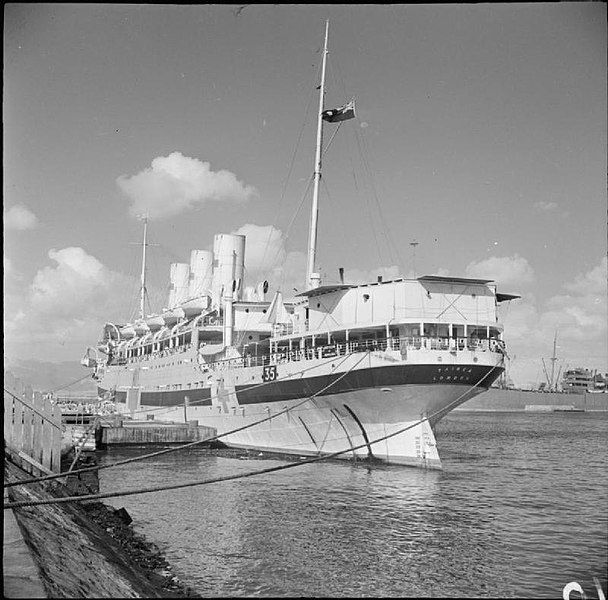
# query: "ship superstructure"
(335, 368)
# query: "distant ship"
(336, 368)
(581, 380)
(515, 400)
(579, 390)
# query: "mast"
(312, 277)
(553, 359)
(142, 291)
(551, 381)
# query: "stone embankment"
(88, 550)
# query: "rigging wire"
(88, 375)
(132, 297)
(389, 238)
(369, 212)
(341, 231)
(247, 389)
(364, 152)
(277, 258)
(191, 444)
(437, 414)
(292, 162)
(360, 139)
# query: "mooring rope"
(83, 441)
(69, 384)
(190, 444)
(247, 389)
(282, 467)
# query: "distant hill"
(49, 376)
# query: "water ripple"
(518, 511)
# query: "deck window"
(458, 331)
(430, 329)
(411, 330)
(443, 330)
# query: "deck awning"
(439, 279)
(504, 297)
(326, 289)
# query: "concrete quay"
(21, 576)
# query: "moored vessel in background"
(579, 390)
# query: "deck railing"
(327, 350)
(404, 345)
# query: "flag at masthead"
(333, 115)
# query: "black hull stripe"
(200, 397)
(281, 391)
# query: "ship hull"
(368, 411)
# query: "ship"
(363, 370)
(579, 390)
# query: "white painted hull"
(324, 425)
(347, 404)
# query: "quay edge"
(77, 557)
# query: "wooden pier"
(147, 432)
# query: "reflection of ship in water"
(579, 390)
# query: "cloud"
(176, 183)
(577, 315)
(264, 247)
(65, 306)
(580, 314)
(544, 206)
(358, 276)
(267, 258)
(20, 218)
(592, 282)
(74, 280)
(505, 270)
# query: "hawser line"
(91, 497)
(174, 449)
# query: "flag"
(333, 115)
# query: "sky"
(480, 134)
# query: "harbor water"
(519, 510)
